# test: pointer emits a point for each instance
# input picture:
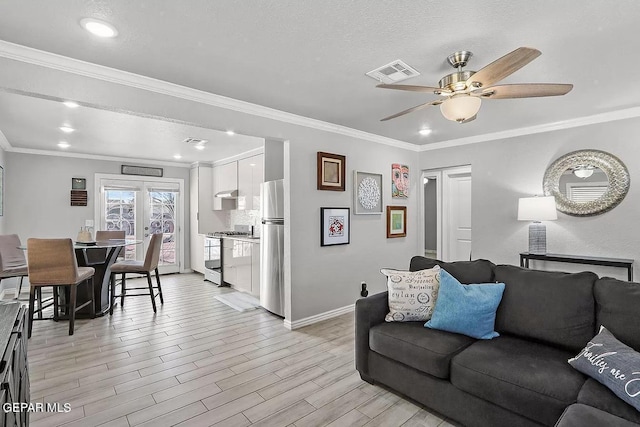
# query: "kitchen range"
(232, 259)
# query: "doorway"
(447, 213)
(142, 207)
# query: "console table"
(578, 259)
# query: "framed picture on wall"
(335, 228)
(367, 193)
(331, 171)
(396, 221)
(399, 181)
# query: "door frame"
(98, 177)
(443, 177)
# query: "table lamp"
(537, 209)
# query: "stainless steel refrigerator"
(272, 246)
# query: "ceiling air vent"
(393, 72)
(195, 141)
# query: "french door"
(142, 208)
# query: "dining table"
(100, 255)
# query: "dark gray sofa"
(520, 378)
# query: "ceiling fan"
(463, 90)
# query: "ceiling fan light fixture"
(459, 108)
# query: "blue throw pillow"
(613, 364)
(466, 309)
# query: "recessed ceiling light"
(71, 104)
(99, 28)
(66, 129)
(63, 144)
(424, 132)
(199, 147)
(230, 132)
(177, 157)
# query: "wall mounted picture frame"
(335, 227)
(367, 193)
(396, 221)
(78, 183)
(331, 171)
(399, 181)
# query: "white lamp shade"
(460, 107)
(537, 209)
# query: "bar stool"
(13, 263)
(52, 262)
(150, 264)
(98, 255)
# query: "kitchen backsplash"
(236, 217)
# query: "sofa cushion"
(466, 309)
(553, 307)
(595, 394)
(427, 350)
(617, 305)
(526, 377)
(578, 415)
(612, 363)
(478, 271)
(412, 294)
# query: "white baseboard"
(318, 317)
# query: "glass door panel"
(140, 209)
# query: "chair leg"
(159, 288)
(123, 290)
(92, 306)
(19, 287)
(153, 299)
(72, 308)
(39, 291)
(112, 296)
(56, 303)
(32, 301)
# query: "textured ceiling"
(310, 57)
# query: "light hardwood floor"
(198, 362)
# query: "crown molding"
(628, 113)
(98, 157)
(249, 153)
(4, 142)
(75, 66)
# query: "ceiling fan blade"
(411, 110)
(413, 88)
(503, 67)
(526, 90)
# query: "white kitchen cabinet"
(225, 178)
(228, 262)
(241, 265)
(250, 176)
(255, 269)
(202, 219)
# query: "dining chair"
(150, 264)
(13, 262)
(94, 256)
(52, 262)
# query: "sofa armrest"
(369, 312)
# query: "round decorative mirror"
(586, 182)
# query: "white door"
(447, 213)
(142, 208)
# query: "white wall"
(328, 278)
(507, 169)
(4, 184)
